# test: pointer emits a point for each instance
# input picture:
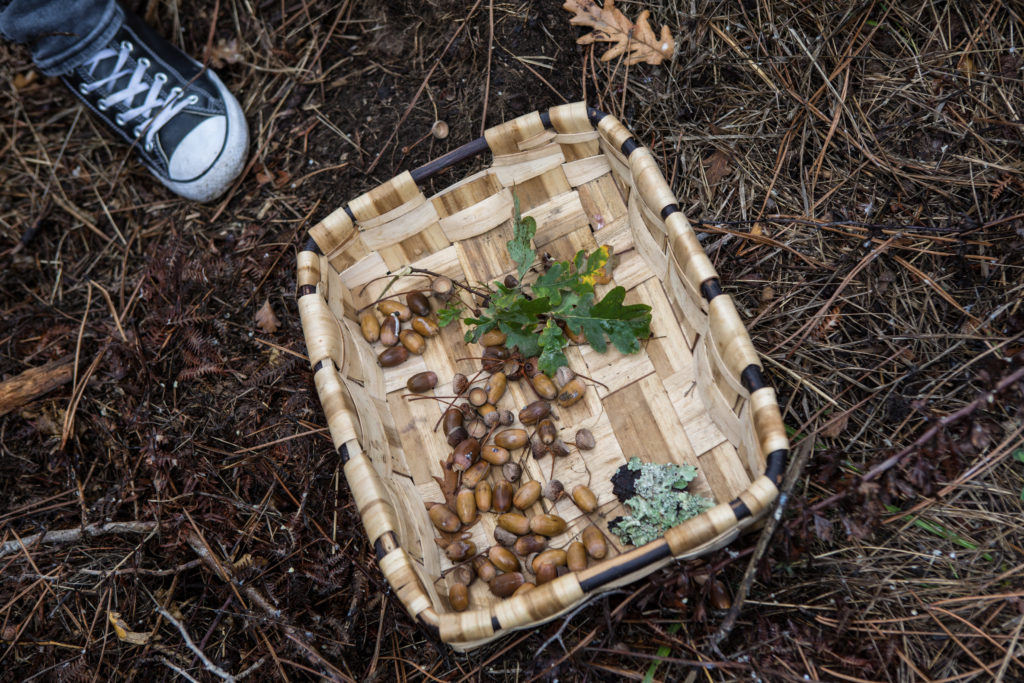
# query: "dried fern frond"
(637, 41)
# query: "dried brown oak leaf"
(637, 41)
(266, 320)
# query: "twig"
(70, 535)
(795, 470)
(209, 665)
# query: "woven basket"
(694, 395)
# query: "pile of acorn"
(482, 435)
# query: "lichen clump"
(654, 495)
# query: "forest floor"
(856, 176)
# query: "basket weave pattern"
(694, 395)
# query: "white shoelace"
(155, 111)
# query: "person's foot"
(183, 123)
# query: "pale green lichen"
(659, 502)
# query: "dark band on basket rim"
(752, 378)
(668, 210)
(616, 572)
(343, 452)
(495, 624)
(710, 288)
(740, 509)
(306, 290)
(629, 146)
(776, 465)
(319, 365)
(312, 246)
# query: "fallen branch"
(210, 666)
(72, 535)
(34, 382)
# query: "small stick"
(209, 665)
(490, 50)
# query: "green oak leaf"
(523, 230)
(552, 341)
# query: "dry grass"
(856, 175)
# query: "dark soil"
(895, 234)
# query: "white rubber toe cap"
(212, 155)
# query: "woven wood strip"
(681, 399)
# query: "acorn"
(516, 523)
(585, 440)
(418, 303)
(459, 383)
(475, 474)
(545, 573)
(457, 436)
(593, 541)
(412, 341)
(443, 518)
(461, 574)
(553, 556)
(441, 287)
(506, 538)
(496, 387)
(466, 453)
(458, 596)
(369, 326)
(571, 393)
(439, 130)
(512, 471)
(547, 431)
(719, 595)
(507, 418)
(496, 455)
(506, 584)
(553, 490)
(538, 448)
(459, 550)
(493, 338)
(484, 569)
(576, 557)
(493, 358)
(564, 375)
(543, 385)
(546, 525)
(477, 396)
(477, 429)
(465, 506)
(558, 449)
(503, 559)
(527, 545)
(425, 326)
(534, 412)
(396, 355)
(527, 495)
(491, 417)
(392, 307)
(511, 439)
(422, 382)
(483, 495)
(584, 498)
(389, 331)
(502, 497)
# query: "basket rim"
(686, 539)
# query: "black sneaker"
(184, 124)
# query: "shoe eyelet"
(121, 120)
(83, 88)
(126, 45)
(175, 91)
(102, 105)
(144, 62)
(192, 99)
(149, 146)
(136, 131)
(160, 76)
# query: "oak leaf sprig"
(535, 317)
